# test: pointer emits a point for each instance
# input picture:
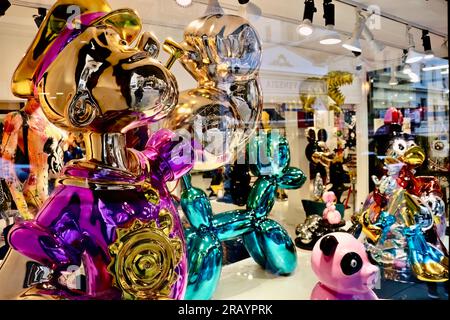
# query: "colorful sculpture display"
(265, 240)
(341, 263)
(110, 211)
(404, 217)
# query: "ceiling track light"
(329, 13)
(412, 56)
(4, 6)
(306, 27)
(184, 3)
(426, 42)
(353, 43)
(368, 35)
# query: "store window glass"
(317, 128)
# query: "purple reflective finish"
(65, 37)
(171, 156)
(77, 224)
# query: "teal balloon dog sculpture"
(266, 241)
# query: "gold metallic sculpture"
(92, 73)
(223, 54)
(144, 258)
(332, 82)
(23, 78)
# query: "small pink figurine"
(340, 262)
(330, 213)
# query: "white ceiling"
(277, 27)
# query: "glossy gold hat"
(74, 15)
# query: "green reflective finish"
(267, 242)
(232, 224)
(262, 196)
(195, 200)
(271, 247)
(294, 178)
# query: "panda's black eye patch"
(351, 263)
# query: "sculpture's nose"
(152, 86)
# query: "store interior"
(329, 89)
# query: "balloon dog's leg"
(204, 248)
(205, 264)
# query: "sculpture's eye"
(351, 263)
(399, 147)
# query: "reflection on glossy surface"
(223, 53)
(12, 275)
(266, 241)
(110, 212)
(23, 81)
(327, 89)
(118, 87)
(144, 258)
(402, 218)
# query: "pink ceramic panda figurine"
(340, 262)
(330, 213)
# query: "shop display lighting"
(426, 42)
(393, 80)
(353, 43)
(38, 18)
(442, 66)
(332, 37)
(413, 56)
(306, 27)
(184, 3)
(368, 35)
